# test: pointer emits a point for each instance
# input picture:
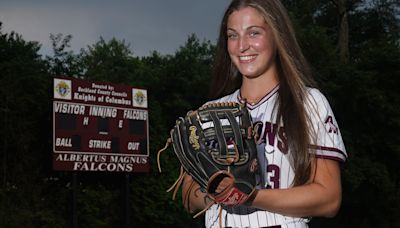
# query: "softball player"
(299, 143)
(274, 158)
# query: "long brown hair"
(293, 73)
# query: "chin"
(248, 74)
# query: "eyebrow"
(250, 27)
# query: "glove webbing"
(220, 130)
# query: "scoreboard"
(99, 126)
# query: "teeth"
(246, 58)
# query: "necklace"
(253, 101)
(258, 98)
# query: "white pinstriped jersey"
(274, 158)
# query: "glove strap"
(251, 198)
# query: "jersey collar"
(266, 97)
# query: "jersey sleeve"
(326, 138)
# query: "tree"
(176, 84)
(63, 62)
(186, 87)
(362, 93)
(24, 115)
(110, 61)
(343, 41)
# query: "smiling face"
(250, 43)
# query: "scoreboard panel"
(99, 126)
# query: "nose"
(244, 44)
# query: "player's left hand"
(224, 184)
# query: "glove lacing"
(178, 182)
(169, 141)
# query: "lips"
(247, 58)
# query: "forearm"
(301, 201)
(320, 197)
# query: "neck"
(254, 89)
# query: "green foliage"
(63, 62)
(173, 90)
(183, 88)
(96, 206)
(108, 61)
(23, 113)
(364, 96)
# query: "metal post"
(126, 223)
(74, 217)
(4, 201)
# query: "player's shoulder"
(314, 93)
(230, 97)
(316, 97)
(316, 101)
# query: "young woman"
(300, 146)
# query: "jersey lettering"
(274, 176)
(268, 132)
(282, 141)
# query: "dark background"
(352, 45)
